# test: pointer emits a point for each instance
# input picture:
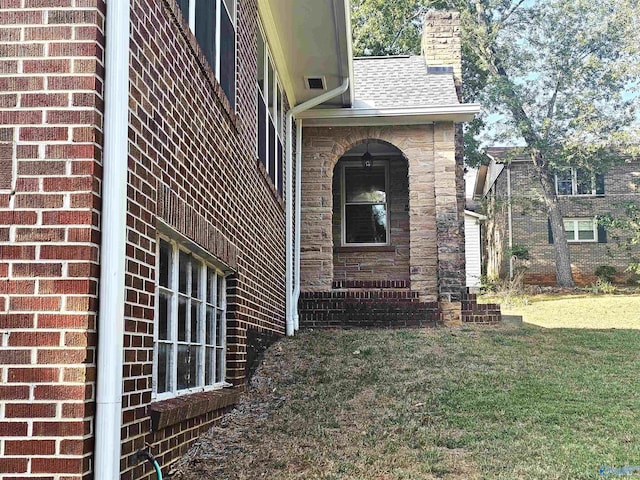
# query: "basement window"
(190, 324)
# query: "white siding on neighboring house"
(472, 248)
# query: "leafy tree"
(557, 77)
(624, 228)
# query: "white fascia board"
(474, 214)
(390, 116)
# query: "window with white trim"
(270, 114)
(365, 219)
(581, 229)
(213, 22)
(190, 333)
(578, 181)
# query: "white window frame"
(576, 239)
(233, 15)
(277, 115)
(574, 185)
(204, 301)
(343, 203)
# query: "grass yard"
(469, 403)
(579, 311)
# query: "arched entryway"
(370, 217)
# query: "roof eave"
(385, 116)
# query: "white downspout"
(291, 306)
(108, 418)
(296, 248)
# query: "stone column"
(449, 222)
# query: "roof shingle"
(402, 81)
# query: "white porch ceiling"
(314, 39)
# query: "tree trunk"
(564, 277)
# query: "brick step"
(365, 309)
(371, 284)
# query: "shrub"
(605, 273)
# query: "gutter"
(404, 115)
(291, 294)
(108, 417)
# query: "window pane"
(219, 365)
(186, 367)
(569, 226)
(212, 278)
(195, 279)
(586, 235)
(279, 117)
(195, 323)
(183, 272)
(184, 8)
(231, 8)
(164, 312)
(365, 185)
(182, 319)
(211, 326)
(585, 230)
(164, 362)
(366, 223)
(262, 129)
(270, 80)
(584, 182)
(206, 29)
(272, 151)
(227, 57)
(209, 377)
(565, 183)
(261, 60)
(164, 273)
(220, 335)
(220, 290)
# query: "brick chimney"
(441, 44)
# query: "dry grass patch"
(469, 403)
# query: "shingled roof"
(400, 81)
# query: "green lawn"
(579, 311)
(470, 403)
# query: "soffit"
(309, 38)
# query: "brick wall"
(530, 224)
(192, 170)
(192, 151)
(51, 75)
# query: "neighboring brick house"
(517, 218)
(148, 219)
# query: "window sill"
(364, 248)
(165, 413)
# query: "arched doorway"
(370, 217)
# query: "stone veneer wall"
(436, 239)
(387, 262)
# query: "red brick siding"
(193, 167)
(49, 217)
(529, 220)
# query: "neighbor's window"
(578, 181)
(213, 22)
(364, 205)
(581, 229)
(270, 114)
(190, 339)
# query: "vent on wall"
(315, 83)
